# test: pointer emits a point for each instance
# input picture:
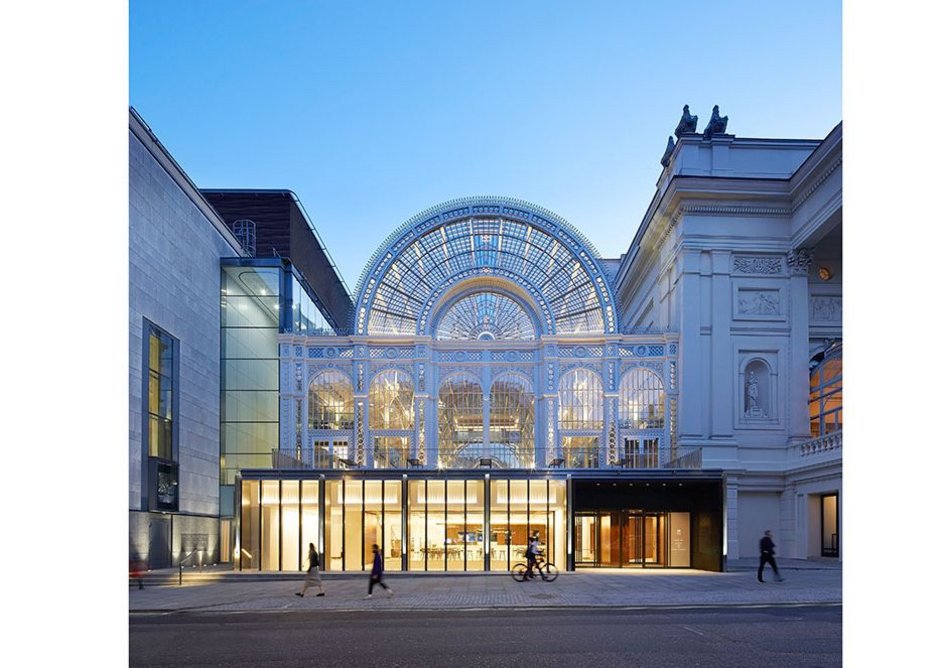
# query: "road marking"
(693, 630)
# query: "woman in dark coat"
(377, 572)
(312, 575)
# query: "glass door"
(584, 551)
(830, 531)
(609, 539)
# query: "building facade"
(492, 377)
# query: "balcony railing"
(308, 458)
(571, 458)
(828, 443)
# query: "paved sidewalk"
(806, 582)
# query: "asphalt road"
(768, 637)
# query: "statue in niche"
(717, 124)
(752, 396)
(687, 125)
(666, 158)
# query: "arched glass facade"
(485, 373)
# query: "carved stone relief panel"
(826, 308)
(758, 302)
(764, 299)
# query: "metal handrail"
(186, 558)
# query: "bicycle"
(548, 570)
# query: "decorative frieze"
(512, 356)
(757, 265)
(643, 351)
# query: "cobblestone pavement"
(805, 583)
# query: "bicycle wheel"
(549, 572)
(518, 571)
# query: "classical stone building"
(492, 375)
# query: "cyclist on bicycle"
(532, 553)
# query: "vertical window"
(392, 401)
(391, 418)
(825, 405)
(641, 418)
(161, 381)
(581, 400)
(580, 395)
(511, 421)
(462, 428)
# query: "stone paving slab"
(592, 588)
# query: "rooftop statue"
(717, 124)
(687, 125)
(666, 158)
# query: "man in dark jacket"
(767, 556)
(377, 572)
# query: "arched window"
(391, 401)
(511, 421)
(641, 400)
(461, 420)
(825, 405)
(330, 401)
(580, 396)
(485, 316)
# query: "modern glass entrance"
(629, 538)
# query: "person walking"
(377, 573)
(312, 575)
(767, 556)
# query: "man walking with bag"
(767, 556)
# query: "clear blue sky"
(374, 111)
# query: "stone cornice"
(817, 183)
(730, 210)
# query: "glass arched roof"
(485, 316)
(506, 240)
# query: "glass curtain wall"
(445, 523)
(250, 321)
(307, 317)
(279, 519)
(580, 419)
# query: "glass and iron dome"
(484, 239)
